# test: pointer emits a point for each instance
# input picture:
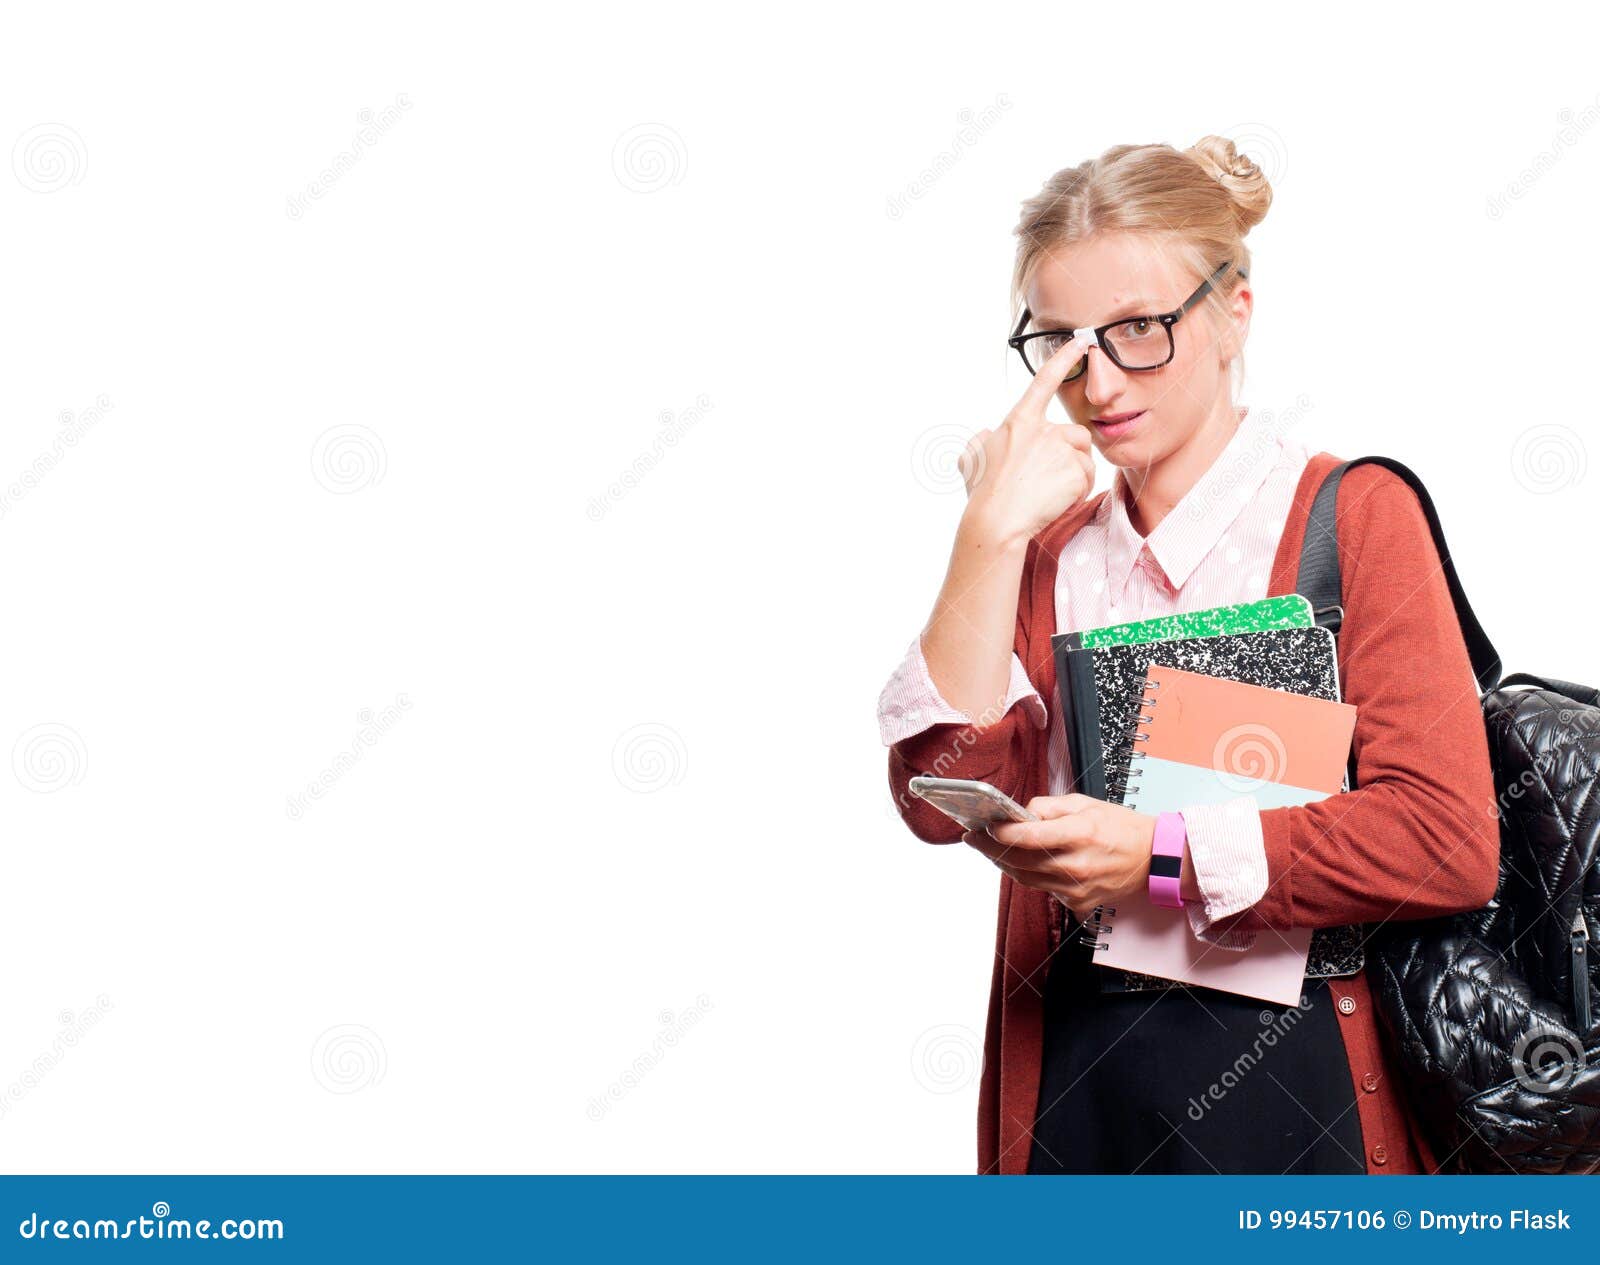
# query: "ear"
(1236, 328)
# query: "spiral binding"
(1094, 932)
(1117, 788)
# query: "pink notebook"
(1206, 740)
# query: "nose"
(1102, 380)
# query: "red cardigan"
(1419, 836)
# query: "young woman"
(1087, 1069)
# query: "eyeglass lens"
(1139, 343)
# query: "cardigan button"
(1369, 1082)
(1347, 1005)
(1380, 1154)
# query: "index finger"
(1046, 807)
(1048, 380)
(1056, 832)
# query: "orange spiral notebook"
(1207, 740)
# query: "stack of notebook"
(1202, 708)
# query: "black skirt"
(1190, 1080)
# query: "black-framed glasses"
(1136, 343)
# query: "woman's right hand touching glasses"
(1020, 477)
(1028, 471)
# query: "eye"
(1140, 328)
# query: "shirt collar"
(1197, 522)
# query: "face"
(1116, 275)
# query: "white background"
(633, 825)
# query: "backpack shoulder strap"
(1320, 581)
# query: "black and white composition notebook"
(1100, 689)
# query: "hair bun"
(1238, 173)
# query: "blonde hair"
(1202, 201)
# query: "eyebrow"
(1134, 307)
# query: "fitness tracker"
(1166, 860)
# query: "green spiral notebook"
(1291, 610)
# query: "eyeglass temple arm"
(1209, 282)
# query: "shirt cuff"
(911, 702)
(1229, 855)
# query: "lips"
(1114, 424)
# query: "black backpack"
(1488, 1012)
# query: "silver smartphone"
(974, 805)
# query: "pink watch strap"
(1166, 860)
